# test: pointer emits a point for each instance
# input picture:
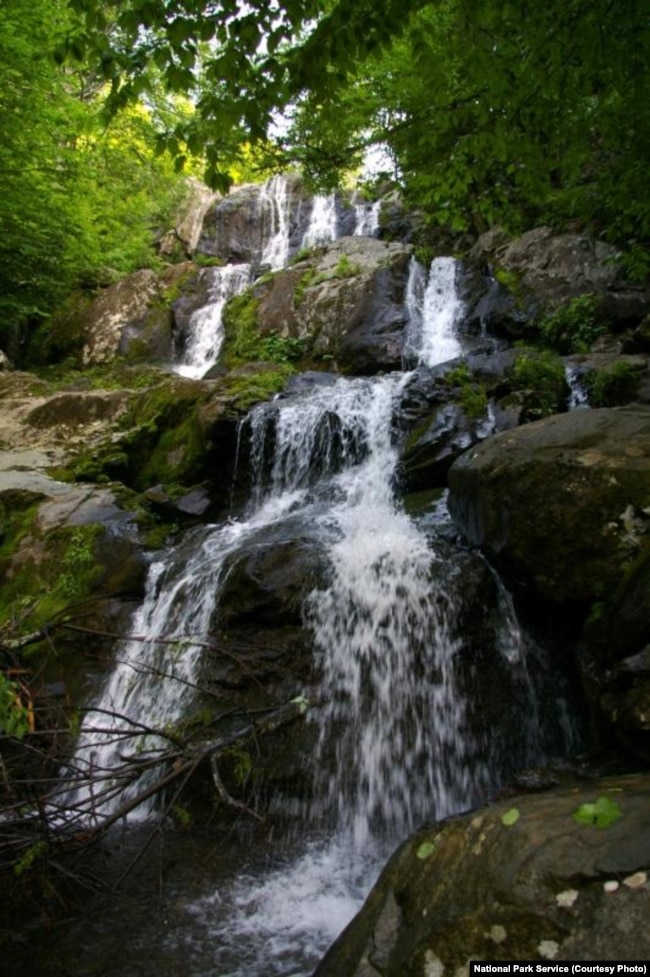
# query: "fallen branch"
(184, 767)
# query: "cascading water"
(434, 309)
(578, 394)
(323, 223)
(367, 218)
(394, 743)
(380, 627)
(274, 216)
(205, 328)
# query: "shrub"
(543, 376)
(573, 327)
(612, 385)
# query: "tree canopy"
(493, 110)
(498, 111)
(81, 199)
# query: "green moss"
(474, 400)
(508, 280)
(156, 537)
(161, 440)
(247, 390)
(114, 376)
(173, 292)
(244, 343)
(613, 385)
(241, 327)
(471, 396)
(305, 280)
(458, 376)
(176, 457)
(44, 573)
(208, 261)
(346, 268)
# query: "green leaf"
(426, 849)
(602, 814)
(302, 703)
(510, 817)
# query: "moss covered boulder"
(551, 877)
(565, 501)
(75, 552)
(344, 303)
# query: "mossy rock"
(563, 501)
(45, 573)
(522, 879)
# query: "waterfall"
(367, 218)
(274, 210)
(394, 740)
(205, 328)
(381, 631)
(578, 395)
(323, 223)
(434, 310)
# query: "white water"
(393, 744)
(274, 214)
(435, 309)
(323, 223)
(578, 396)
(206, 325)
(367, 219)
(205, 329)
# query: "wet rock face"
(563, 500)
(239, 226)
(346, 301)
(544, 877)
(541, 270)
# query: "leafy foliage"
(612, 385)
(542, 377)
(14, 717)
(603, 813)
(82, 200)
(510, 817)
(573, 327)
(244, 342)
(425, 850)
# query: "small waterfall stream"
(274, 216)
(395, 744)
(323, 224)
(206, 326)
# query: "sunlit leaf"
(510, 817)
(603, 813)
(426, 849)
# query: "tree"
(494, 110)
(81, 199)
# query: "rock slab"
(565, 500)
(535, 877)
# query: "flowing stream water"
(394, 740)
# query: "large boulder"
(551, 877)
(345, 302)
(122, 305)
(240, 226)
(73, 549)
(542, 270)
(565, 500)
(189, 222)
